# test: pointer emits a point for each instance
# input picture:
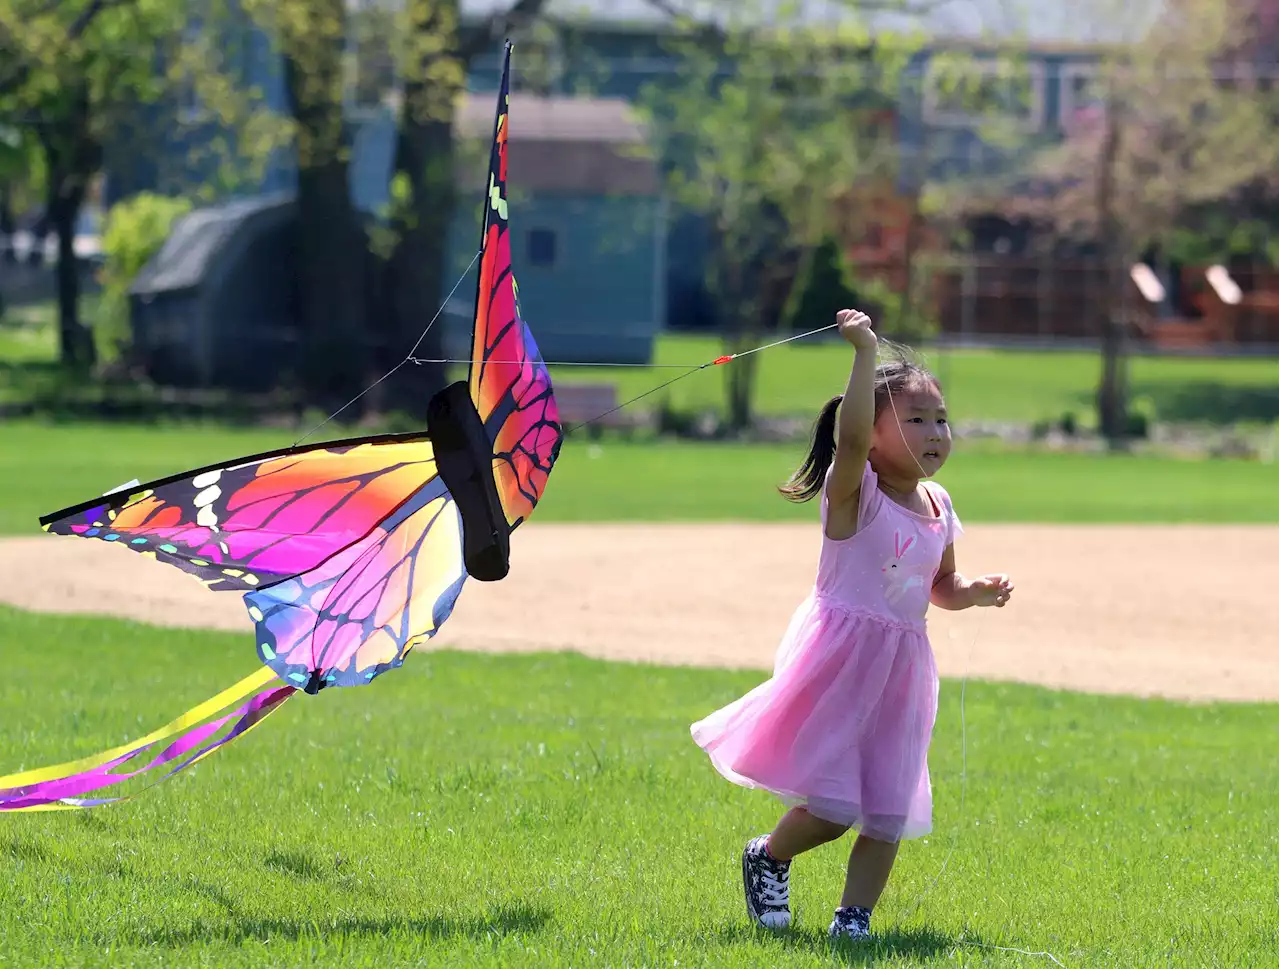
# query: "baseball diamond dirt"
(1177, 611)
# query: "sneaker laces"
(773, 887)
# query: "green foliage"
(87, 80)
(824, 287)
(750, 124)
(1220, 236)
(136, 228)
(23, 173)
(767, 131)
(896, 316)
(829, 283)
(1142, 417)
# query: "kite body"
(348, 554)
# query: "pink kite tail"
(196, 736)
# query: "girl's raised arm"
(857, 410)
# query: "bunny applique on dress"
(857, 644)
(906, 575)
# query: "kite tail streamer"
(198, 732)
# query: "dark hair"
(896, 376)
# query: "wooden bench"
(580, 403)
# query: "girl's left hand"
(991, 590)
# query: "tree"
(769, 133)
(73, 78)
(1172, 122)
(436, 60)
(367, 297)
(67, 72)
(331, 242)
(21, 180)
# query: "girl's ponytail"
(807, 481)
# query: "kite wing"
(509, 382)
(257, 520)
(360, 612)
(347, 553)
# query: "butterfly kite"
(348, 554)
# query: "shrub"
(136, 228)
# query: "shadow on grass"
(514, 918)
(917, 943)
(43, 389)
(1212, 403)
(298, 864)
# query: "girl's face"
(912, 438)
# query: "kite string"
(689, 369)
(964, 772)
(717, 362)
(964, 739)
(610, 364)
(408, 357)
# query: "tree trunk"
(75, 340)
(1112, 396)
(72, 156)
(742, 381)
(911, 244)
(8, 225)
(331, 243)
(415, 284)
(1112, 403)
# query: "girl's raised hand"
(855, 327)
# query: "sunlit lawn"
(549, 810)
(44, 467)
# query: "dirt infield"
(1187, 612)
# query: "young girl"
(841, 730)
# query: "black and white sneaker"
(852, 923)
(766, 884)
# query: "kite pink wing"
(360, 612)
(254, 521)
(510, 384)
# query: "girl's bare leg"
(870, 862)
(766, 864)
(799, 831)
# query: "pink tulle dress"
(843, 725)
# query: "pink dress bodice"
(887, 568)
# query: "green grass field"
(795, 379)
(473, 810)
(979, 384)
(44, 467)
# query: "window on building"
(1081, 95)
(966, 92)
(541, 247)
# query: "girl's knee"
(881, 846)
(828, 830)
